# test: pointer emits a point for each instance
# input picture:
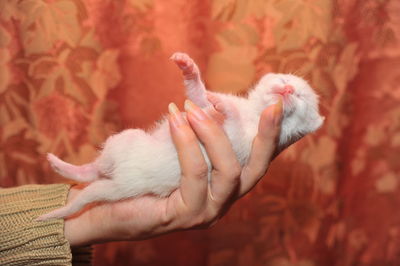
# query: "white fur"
(135, 162)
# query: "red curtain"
(73, 72)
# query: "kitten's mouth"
(285, 92)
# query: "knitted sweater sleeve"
(24, 241)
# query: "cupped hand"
(197, 203)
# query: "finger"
(222, 106)
(216, 116)
(264, 146)
(226, 168)
(194, 183)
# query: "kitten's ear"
(319, 121)
(270, 75)
(267, 77)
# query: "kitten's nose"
(288, 89)
(284, 91)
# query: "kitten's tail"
(83, 173)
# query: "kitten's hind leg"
(195, 89)
(100, 190)
(83, 173)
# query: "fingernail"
(195, 110)
(277, 112)
(176, 114)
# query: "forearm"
(25, 241)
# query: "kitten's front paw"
(185, 63)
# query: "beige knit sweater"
(26, 242)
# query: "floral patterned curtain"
(73, 72)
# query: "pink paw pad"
(185, 63)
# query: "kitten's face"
(300, 102)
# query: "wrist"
(84, 229)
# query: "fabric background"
(73, 72)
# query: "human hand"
(197, 203)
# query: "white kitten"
(135, 162)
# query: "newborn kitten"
(135, 162)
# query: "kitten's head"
(300, 103)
